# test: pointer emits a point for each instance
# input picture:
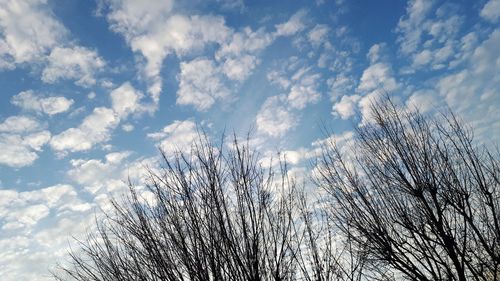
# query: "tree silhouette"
(217, 214)
(412, 198)
(417, 196)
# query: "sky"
(90, 90)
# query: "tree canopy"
(413, 197)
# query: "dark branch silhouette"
(217, 215)
(418, 196)
(415, 198)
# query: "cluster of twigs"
(415, 199)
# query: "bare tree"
(417, 197)
(217, 214)
(414, 198)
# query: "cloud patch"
(26, 209)
(304, 88)
(21, 139)
(318, 35)
(473, 91)
(428, 35)
(293, 25)
(377, 76)
(151, 29)
(491, 11)
(200, 84)
(76, 63)
(98, 126)
(179, 136)
(346, 107)
(29, 101)
(274, 118)
(98, 176)
(95, 128)
(28, 31)
(125, 100)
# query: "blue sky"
(90, 90)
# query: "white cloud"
(26, 209)
(274, 119)
(424, 100)
(152, 30)
(294, 156)
(423, 58)
(77, 63)
(365, 106)
(180, 35)
(278, 78)
(28, 216)
(36, 140)
(117, 157)
(299, 80)
(36, 226)
(21, 138)
(346, 107)
(19, 124)
(340, 85)
(128, 127)
(155, 31)
(94, 129)
(240, 68)
(376, 53)
(176, 137)
(338, 60)
(98, 126)
(293, 25)
(107, 83)
(377, 79)
(200, 84)
(473, 91)
(232, 4)
(318, 35)
(28, 31)
(442, 47)
(11, 248)
(304, 89)
(280, 113)
(246, 41)
(464, 49)
(18, 152)
(410, 26)
(100, 176)
(491, 11)
(344, 141)
(238, 54)
(126, 100)
(131, 17)
(480, 79)
(47, 246)
(377, 76)
(272, 158)
(429, 39)
(27, 100)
